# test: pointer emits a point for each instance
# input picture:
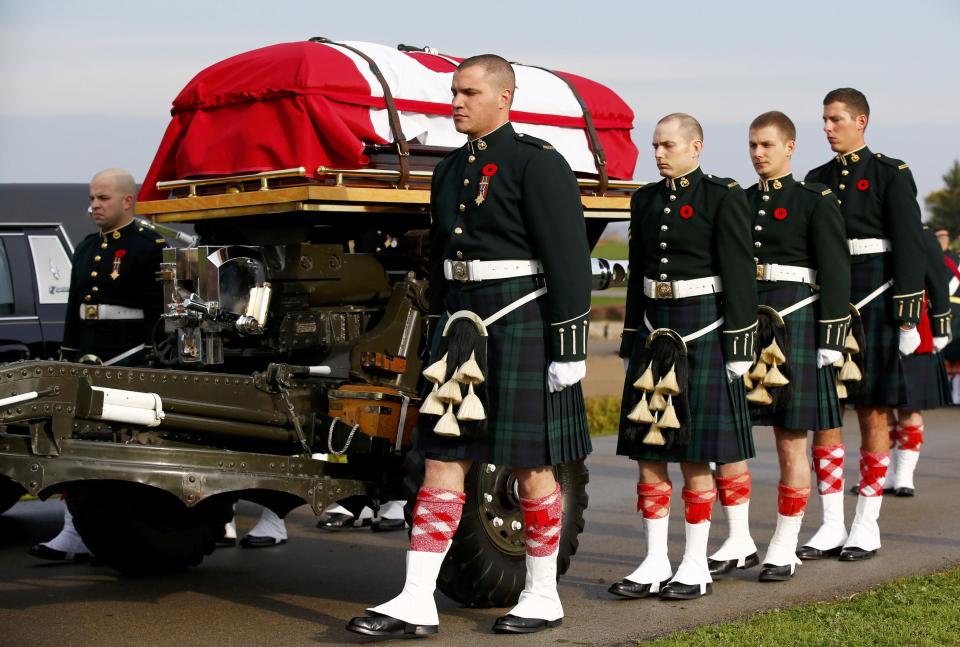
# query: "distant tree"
(944, 204)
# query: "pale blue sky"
(88, 84)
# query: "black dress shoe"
(628, 589)
(377, 624)
(722, 567)
(511, 624)
(771, 573)
(388, 525)
(45, 552)
(679, 591)
(338, 521)
(809, 552)
(227, 541)
(253, 541)
(854, 554)
(903, 491)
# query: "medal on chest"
(117, 258)
(488, 172)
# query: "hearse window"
(6, 283)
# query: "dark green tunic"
(119, 268)
(529, 209)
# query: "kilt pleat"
(890, 380)
(720, 422)
(527, 426)
(813, 405)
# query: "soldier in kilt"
(800, 243)
(507, 355)
(925, 369)
(688, 339)
(878, 199)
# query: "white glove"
(940, 342)
(736, 370)
(909, 341)
(826, 357)
(560, 375)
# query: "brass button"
(663, 277)
(666, 210)
(672, 198)
(757, 244)
(95, 289)
(459, 254)
(664, 260)
(765, 197)
(462, 207)
(93, 273)
(471, 159)
(664, 227)
(103, 245)
(843, 186)
(466, 182)
(761, 213)
(758, 228)
(97, 257)
(663, 245)
(458, 230)
(87, 297)
(844, 172)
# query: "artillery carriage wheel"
(485, 564)
(141, 530)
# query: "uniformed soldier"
(878, 199)
(114, 301)
(800, 243)
(925, 369)
(507, 226)
(689, 335)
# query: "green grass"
(612, 300)
(611, 249)
(917, 611)
(603, 415)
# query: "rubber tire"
(476, 572)
(10, 493)
(141, 530)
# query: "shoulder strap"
(403, 150)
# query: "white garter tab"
(659, 409)
(458, 394)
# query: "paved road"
(303, 593)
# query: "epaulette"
(890, 161)
(723, 181)
(533, 141)
(815, 187)
(150, 234)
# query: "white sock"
(832, 531)
(269, 525)
(416, 604)
(865, 529)
(68, 541)
(655, 567)
(540, 598)
(783, 545)
(904, 467)
(693, 569)
(738, 544)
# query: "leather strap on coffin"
(403, 150)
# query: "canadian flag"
(311, 104)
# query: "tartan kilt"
(527, 426)
(926, 373)
(720, 421)
(814, 405)
(885, 382)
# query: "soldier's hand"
(736, 370)
(909, 341)
(940, 342)
(560, 375)
(827, 356)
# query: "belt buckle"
(761, 271)
(91, 312)
(460, 271)
(664, 290)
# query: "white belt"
(860, 246)
(489, 270)
(681, 289)
(793, 273)
(105, 311)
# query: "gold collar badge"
(481, 145)
(684, 182)
(777, 184)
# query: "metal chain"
(294, 418)
(346, 445)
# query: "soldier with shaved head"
(689, 336)
(115, 300)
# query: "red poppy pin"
(117, 257)
(863, 185)
(488, 172)
(686, 212)
(780, 213)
